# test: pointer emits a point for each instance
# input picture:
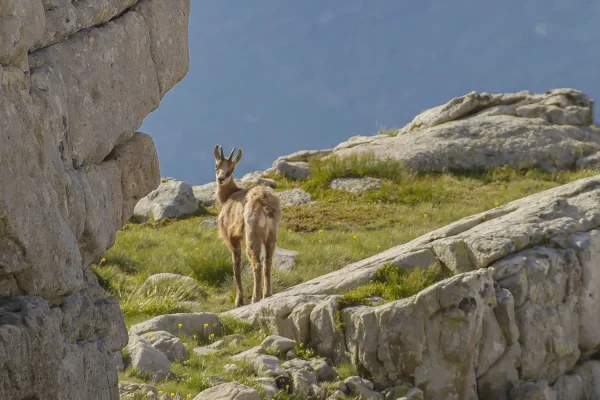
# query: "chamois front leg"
(236, 253)
(253, 248)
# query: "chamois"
(252, 215)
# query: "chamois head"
(225, 166)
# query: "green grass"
(339, 228)
(393, 283)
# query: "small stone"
(290, 355)
(169, 345)
(397, 392)
(337, 395)
(278, 344)
(362, 388)
(219, 344)
(250, 354)
(415, 394)
(170, 200)
(324, 370)
(147, 359)
(293, 170)
(231, 368)
(132, 390)
(294, 197)
(283, 260)
(202, 351)
(209, 223)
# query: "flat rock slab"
(294, 197)
(229, 391)
(355, 185)
(189, 324)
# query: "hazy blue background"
(276, 76)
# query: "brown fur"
(250, 215)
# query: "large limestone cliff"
(77, 78)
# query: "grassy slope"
(339, 228)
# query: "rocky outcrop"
(76, 81)
(519, 316)
(551, 131)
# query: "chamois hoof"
(239, 302)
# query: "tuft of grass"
(324, 170)
(135, 306)
(393, 283)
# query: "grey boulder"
(171, 199)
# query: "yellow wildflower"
(425, 215)
(497, 203)
(337, 222)
(172, 394)
(195, 337)
(212, 335)
(149, 336)
(320, 231)
(378, 246)
(197, 248)
(188, 396)
(160, 392)
(354, 237)
(179, 325)
(206, 325)
(289, 230)
(103, 260)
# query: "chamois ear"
(217, 157)
(238, 157)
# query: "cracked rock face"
(519, 318)
(76, 81)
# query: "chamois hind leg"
(236, 254)
(269, 250)
(253, 249)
